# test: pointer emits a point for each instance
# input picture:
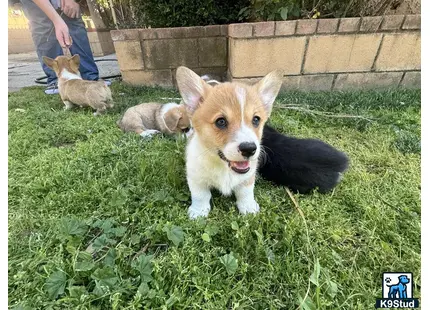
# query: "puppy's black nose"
(247, 149)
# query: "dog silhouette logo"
(397, 291)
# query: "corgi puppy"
(76, 91)
(300, 164)
(223, 152)
(147, 119)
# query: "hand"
(70, 8)
(62, 34)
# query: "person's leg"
(81, 46)
(43, 34)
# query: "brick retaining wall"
(100, 42)
(325, 54)
(151, 56)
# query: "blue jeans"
(43, 34)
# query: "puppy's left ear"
(74, 62)
(171, 118)
(192, 88)
(268, 88)
(49, 61)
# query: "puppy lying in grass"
(147, 119)
(300, 164)
(76, 91)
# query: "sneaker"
(52, 89)
(108, 82)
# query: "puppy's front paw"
(248, 207)
(194, 211)
(149, 133)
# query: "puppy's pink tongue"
(240, 164)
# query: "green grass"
(97, 218)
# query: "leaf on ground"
(110, 257)
(105, 276)
(119, 231)
(175, 234)
(55, 284)
(206, 237)
(270, 255)
(77, 291)
(143, 289)
(234, 225)
(316, 274)
(230, 263)
(135, 239)
(143, 264)
(107, 226)
(119, 198)
(84, 266)
(160, 195)
(102, 241)
(332, 289)
(72, 226)
(308, 304)
(212, 230)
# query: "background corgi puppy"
(147, 119)
(223, 151)
(76, 91)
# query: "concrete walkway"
(23, 69)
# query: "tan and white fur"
(76, 91)
(223, 151)
(147, 119)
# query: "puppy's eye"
(221, 123)
(256, 121)
(185, 129)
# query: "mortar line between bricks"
(396, 31)
(334, 81)
(401, 79)
(174, 68)
(143, 58)
(373, 69)
(328, 73)
(360, 21)
(305, 52)
(198, 51)
(338, 25)
(403, 21)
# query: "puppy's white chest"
(210, 171)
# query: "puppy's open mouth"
(241, 167)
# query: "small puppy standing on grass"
(224, 149)
(147, 119)
(76, 91)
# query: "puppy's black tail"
(301, 164)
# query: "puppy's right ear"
(75, 62)
(192, 88)
(48, 61)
